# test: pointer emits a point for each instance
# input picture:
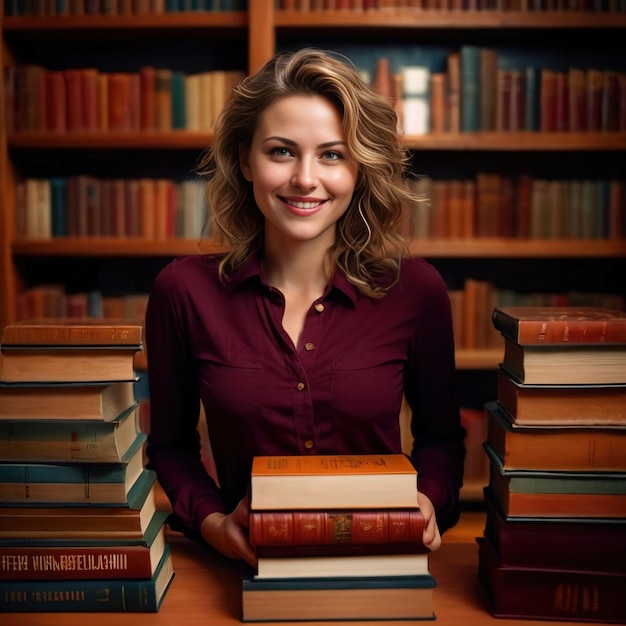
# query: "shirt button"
(309, 346)
(300, 386)
(319, 307)
(308, 444)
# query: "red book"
(147, 97)
(89, 98)
(73, 100)
(278, 533)
(56, 98)
(548, 101)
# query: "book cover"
(102, 595)
(67, 560)
(531, 325)
(534, 593)
(68, 441)
(73, 332)
(44, 484)
(66, 401)
(333, 481)
(561, 405)
(357, 598)
(556, 543)
(566, 448)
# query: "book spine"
(72, 335)
(319, 528)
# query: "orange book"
(119, 95)
(89, 98)
(333, 481)
(147, 212)
(73, 100)
(147, 77)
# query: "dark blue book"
(470, 88)
(104, 595)
(58, 207)
(533, 99)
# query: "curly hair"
(368, 248)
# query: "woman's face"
(300, 169)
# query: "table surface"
(206, 590)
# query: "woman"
(306, 335)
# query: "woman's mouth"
(303, 207)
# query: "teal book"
(68, 440)
(58, 207)
(178, 100)
(23, 484)
(470, 88)
(104, 595)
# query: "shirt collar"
(251, 270)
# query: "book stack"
(79, 526)
(338, 537)
(554, 543)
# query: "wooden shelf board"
(479, 359)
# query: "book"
(67, 364)
(556, 543)
(333, 481)
(66, 401)
(529, 493)
(67, 560)
(583, 449)
(72, 483)
(561, 405)
(333, 532)
(68, 441)
(358, 598)
(84, 522)
(109, 594)
(569, 364)
(549, 594)
(530, 325)
(68, 331)
(342, 566)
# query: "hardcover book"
(530, 325)
(99, 595)
(582, 449)
(333, 481)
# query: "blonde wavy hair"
(368, 248)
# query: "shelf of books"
(556, 447)
(79, 526)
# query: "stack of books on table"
(554, 544)
(338, 537)
(79, 526)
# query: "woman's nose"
(304, 175)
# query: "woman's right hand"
(229, 533)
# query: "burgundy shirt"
(339, 393)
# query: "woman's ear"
(243, 162)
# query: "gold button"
(308, 444)
(319, 307)
(300, 386)
(309, 347)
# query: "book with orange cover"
(538, 325)
(333, 481)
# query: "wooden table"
(206, 590)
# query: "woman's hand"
(229, 533)
(431, 536)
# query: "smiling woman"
(306, 336)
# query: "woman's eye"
(280, 151)
(332, 155)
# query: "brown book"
(560, 325)
(111, 559)
(566, 405)
(547, 99)
(565, 364)
(73, 332)
(66, 402)
(81, 522)
(343, 481)
(554, 448)
(530, 493)
(547, 594)
(335, 531)
(557, 544)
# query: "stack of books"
(554, 543)
(79, 526)
(338, 537)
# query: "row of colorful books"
(554, 541)
(524, 206)
(86, 206)
(80, 529)
(88, 100)
(16, 8)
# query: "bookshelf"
(244, 39)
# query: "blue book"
(470, 88)
(104, 595)
(58, 207)
(47, 484)
(533, 99)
